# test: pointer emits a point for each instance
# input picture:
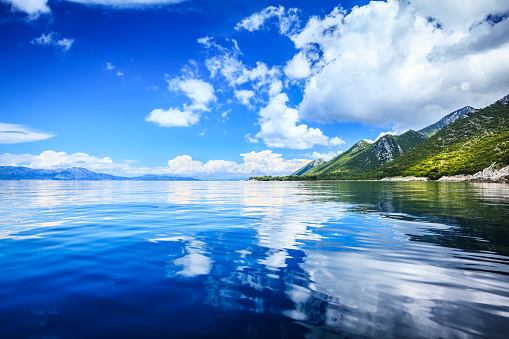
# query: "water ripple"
(258, 260)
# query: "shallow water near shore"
(253, 259)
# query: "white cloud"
(254, 163)
(287, 20)
(390, 62)
(36, 7)
(275, 88)
(209, 42)
(381, 135)
(110, 66)
(183, 164)
(299, 67)
(51, 40)
(257, 20)
(200, 92)
(173, 117)
(236, 73)
(250, 139)
(224, 115)
(65, 43)
(336, 141)
(120, 74)
(244, 96)
(8, 159)
(53, 160)
(127, 3)
(12, 134)
(279, 127)
(325, 156)
(32, 7)
(266, 162)
(459, 14)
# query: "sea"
(218, 259)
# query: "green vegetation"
(465, 146)
(336, 163)
(364, 157)
(309, 166)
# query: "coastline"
(491, 174)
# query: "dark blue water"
(253, 260)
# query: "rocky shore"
(494, 173)
(491, 174)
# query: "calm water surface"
(253, 260)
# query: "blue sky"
(218, 89)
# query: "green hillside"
(364, 157)
(309, 166)
(335, 163)
(463, 147)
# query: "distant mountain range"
(74, 173)
(463, 142)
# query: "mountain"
(335, 163)
(447, 120)
(364, 157)
(309, 166)
(74, 173)
(466, 146)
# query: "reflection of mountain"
(363, 259)
(473, 223)
(260, 260)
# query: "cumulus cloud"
(279, 127)
(52, 160)
(8, 159)
(244, 96)
(275, 88)
(395, 61)
(110, 66)
(299, 67)
(325, 156)
(51, 39)
(32, 7)
(12, 134)
(200, 92)
(459, 14)
(173, 117)
(184, 163)
(254, 163)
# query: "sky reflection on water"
(253, 259)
